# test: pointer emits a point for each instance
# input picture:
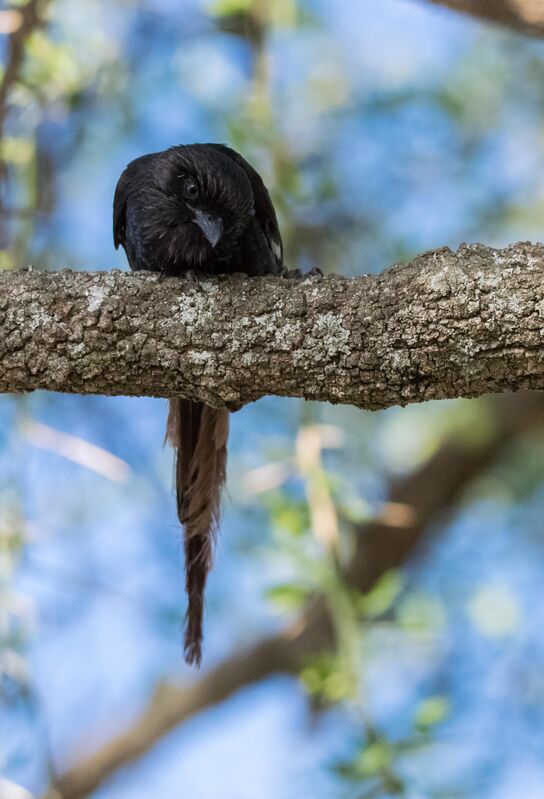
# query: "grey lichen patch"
(39, 317)
(331, 334)
(95, 297)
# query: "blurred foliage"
(316, 566)
(373, 149)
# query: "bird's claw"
(195, 278)
(297, 274)
(291, 274)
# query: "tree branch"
(526, 16)
(32, 15)
(169, 706)
(443, 325)
(427, 492)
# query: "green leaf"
(423, 613)
(337, 686)
(374, 759)
(382, 597)
(291, 518)
(16, 150)
(432, 711)
(227, 8)
(315, 675)
(288, 596)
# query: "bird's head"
(212, 202)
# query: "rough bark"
(447, 324)
(428, 492)
(526, 16)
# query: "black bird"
(195, 210)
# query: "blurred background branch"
(19, 23)
(526, 16)
(430, 492)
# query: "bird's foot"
(298, 274)
(196, 278)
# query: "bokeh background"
(383, 129)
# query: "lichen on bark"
(445, 324)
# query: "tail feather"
(199, 435)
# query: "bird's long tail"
(199, 435)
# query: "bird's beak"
(210, 224)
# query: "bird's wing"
(133, 176)
(264, 210)
(120, 209)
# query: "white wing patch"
(276, 249)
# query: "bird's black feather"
(197, 208)
(155, 223)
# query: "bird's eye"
(190, 189)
